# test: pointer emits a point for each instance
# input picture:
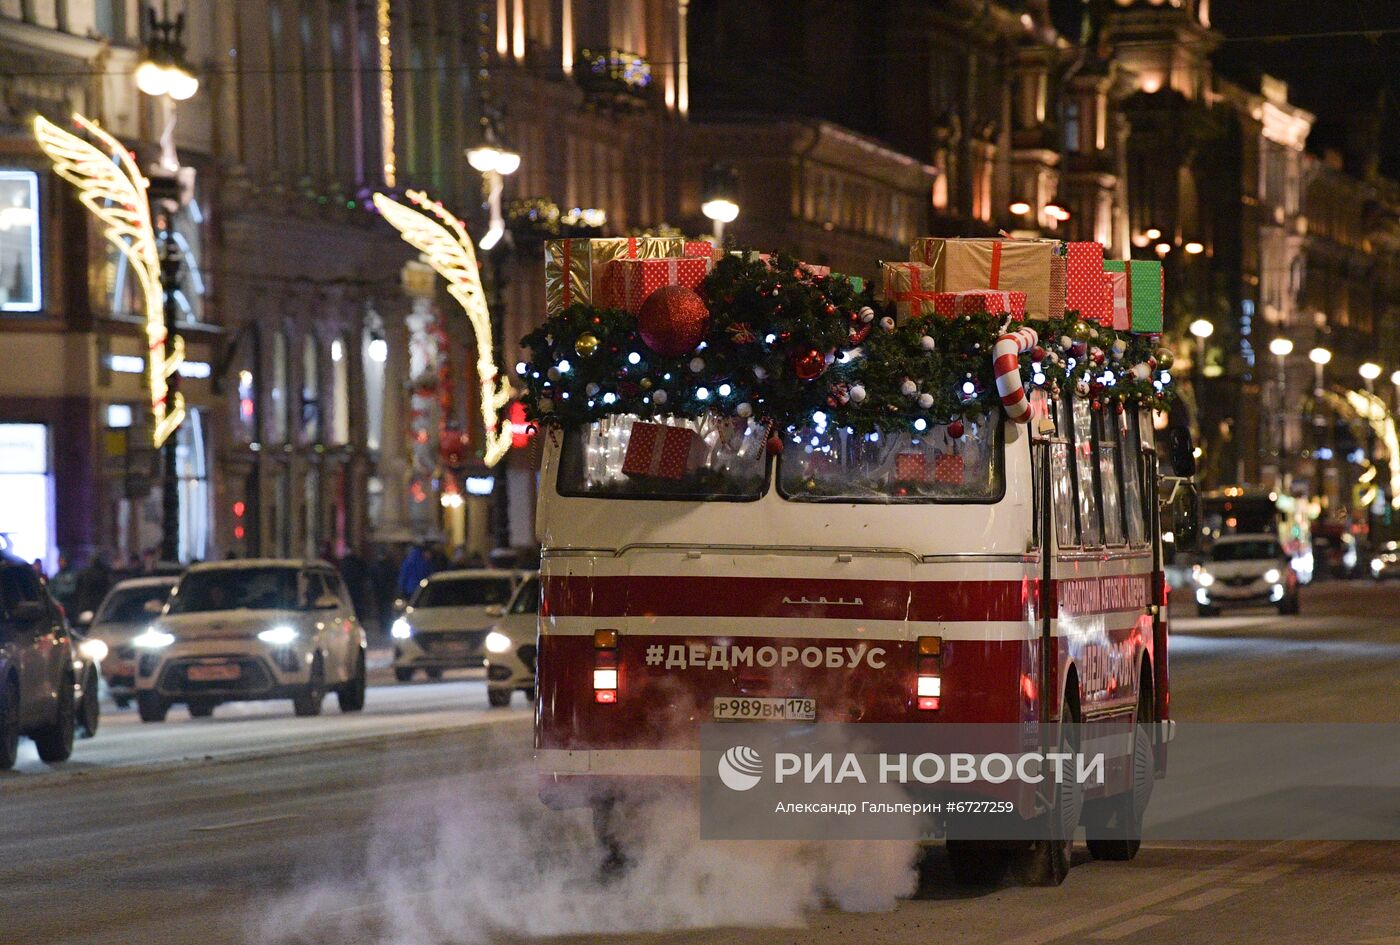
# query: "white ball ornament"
(697, 365)
(744, 410)
(908, 388)
(660, 397)
(867, 314)
(1120, 348)
(925, 401)
(1066, 342)
(759, 371)
(927, 343)
(887, 323)
(857, 393)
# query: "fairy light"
(386, 92)
(113, 188)
(446, 246)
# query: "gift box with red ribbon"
(641, 277)
(978, 301)
(579, 270)
(1087, 290)
(659, 451)
(1144, 293)
(911, 286)
(910, 467)
(948, 469)
(1008, 265)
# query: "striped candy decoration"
(1006, 365)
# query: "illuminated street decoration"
(1371, 409)
(384, 24)
(448, 249)
(114, 189)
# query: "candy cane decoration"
(1006, 365)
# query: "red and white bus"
(1019, 579)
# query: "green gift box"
(1145, 292)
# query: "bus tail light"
(605, 667)
(929, 681)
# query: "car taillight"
(605, 666)
(929, 682)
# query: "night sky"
(1344, 80)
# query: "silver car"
(511, 646)
(125, 613)
(252, 629)
(447, 619)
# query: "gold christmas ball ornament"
(586, 344)
(1080, 331)
(1165, 358)
(645, 383)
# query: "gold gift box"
(1006, 265)
(576, 270)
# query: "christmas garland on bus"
(772, 339)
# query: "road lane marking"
(1268, 874)
(1220, 874)
(237, 824)
(1123, 929)
(1207, 898)
(1317, 851)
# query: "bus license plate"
(745, 709)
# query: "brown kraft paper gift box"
(1013, 265)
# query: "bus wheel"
(976, 863)
(605, 831)
(1045, 860)
(1113, 826)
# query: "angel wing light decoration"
(112, 187)
(431, 229)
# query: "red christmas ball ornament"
(1038, 353)
(673, 320)
(809, 366)
(775, 444)
(955, 429)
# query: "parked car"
(252, 629)
(38, 687)
(510, 646)
(1246, 570)
(1385, 561)
(127, 610)
(445, 623)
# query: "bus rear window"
(827, 464)
(705, 459)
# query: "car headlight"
(400, 629)
(1205, 578)
(1377, 564)
(94, 651)
(497, 642)
(278, 636)
(153, 638)
(1271, 576)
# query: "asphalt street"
(416, 823)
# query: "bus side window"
(1061, 480)
(1110, 482)
(1089, 533)
(1131, 459)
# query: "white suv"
(252, 629)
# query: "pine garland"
(785, 342)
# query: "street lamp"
(1281, 348)
(1194, 248)
(163, 69)
(1202, 329)
(1369, 372)
(1020, 208)
(721, 186)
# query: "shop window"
(26, 493)
(375, 355)
(20, 281)
(340, 394)
(192, 472)
(277, 395)
(310, 391)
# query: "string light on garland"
(767, 340)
